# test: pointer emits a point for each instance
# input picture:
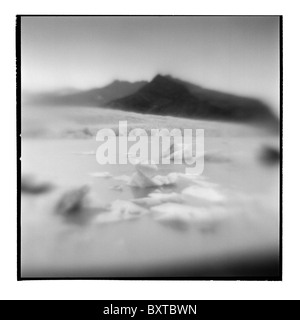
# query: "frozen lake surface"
(224, 223)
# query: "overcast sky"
(233, 54)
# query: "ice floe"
(148, 170)
(270, 155)
(142, 181)
(182, 216)
(127, 208)
(156, 198)
(73, 201)
(121, 210)
(30, 185)
(146, 176)
(199, 195)
(149, 202)
(182, 212)
(165, 197)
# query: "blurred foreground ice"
(195, 205)
(116, 218)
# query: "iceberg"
(148, 170)
(146, 176)
(182, 212)
(140, 181)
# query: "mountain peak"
(160, 77)
(165, 87)
(171, 96)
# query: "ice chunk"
(146, 176)
(141, 181)
(30, 185)
(121, 210)
(73, 201)
(149, 202)
(190, 176)
(127, 208)
(182, 212)
(172, 177)
(148, 170)
(155, 199)
(197, 194)
(167, 197)
(270, 155)
(161, 180)
(181, 216)
(169, 179)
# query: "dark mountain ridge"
(93, 97)
(166, 95)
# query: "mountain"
(166, 95)
(93, 97)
